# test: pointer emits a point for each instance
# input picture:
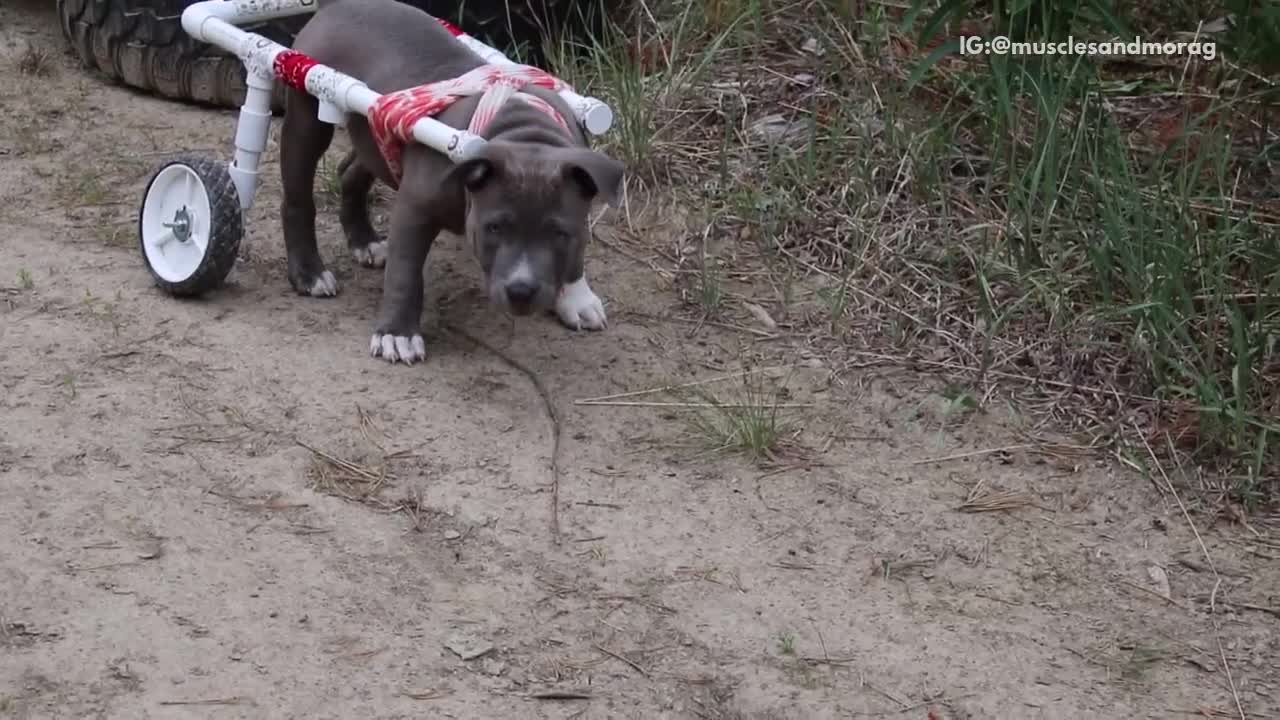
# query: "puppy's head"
(527, 215)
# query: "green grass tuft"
(1104, 233)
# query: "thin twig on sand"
(622, 658)
(550, 406)
(560, 695)
(344, 465)
(211, 701)
(425, 694)
(995, 501)
(642, 403)
(668, 388)
(972, 453)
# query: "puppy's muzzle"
(521, 296)
(521, 290)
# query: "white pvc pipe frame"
(214, 22)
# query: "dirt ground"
(173, 543)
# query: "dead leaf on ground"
(761, 315)
(1160, 581)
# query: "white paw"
(325, 286)
(372, 255)
(398, 348)
(579, 307)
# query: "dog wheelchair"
(191, 221)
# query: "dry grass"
(36, 61)
(1029, 247)
(755, 420)
(755, 423)
(994, 500)
(344, 478)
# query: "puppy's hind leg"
(366, 247)
(304, 138)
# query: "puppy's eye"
(493, 228)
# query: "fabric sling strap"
(392, 117)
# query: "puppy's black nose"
(521, 292)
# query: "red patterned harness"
(393, 116)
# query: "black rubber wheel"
(190, 225)
(141, 43)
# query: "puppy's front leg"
(577, 305)
(397, 336)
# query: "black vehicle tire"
(141, 43)
(179, 266)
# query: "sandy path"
(165, 551)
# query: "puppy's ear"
(594, 174)
(472, 174)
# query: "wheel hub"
(181, 225)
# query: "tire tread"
(141, 43)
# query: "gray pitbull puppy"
(522, 202)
